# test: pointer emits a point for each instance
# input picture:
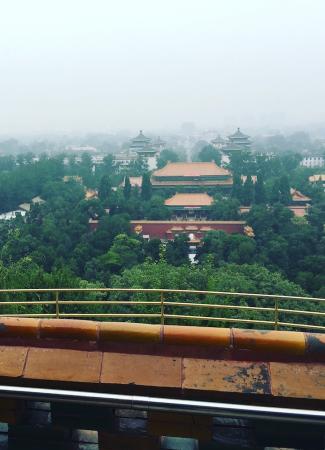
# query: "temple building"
(167, 230)
(135, 182)
(219, 142)
(144, 148)
(124, 159)
(240, 139)
(91, 194)
(300, 203)
(298, 198)
(194, 206)
(237, 141)
(192, 175)
(313, 161)
(139, 142)
(318, 178)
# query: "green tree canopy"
(209, 153)
(167, 155)
(146, 188)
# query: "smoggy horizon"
(78, 67)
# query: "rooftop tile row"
(289, 343)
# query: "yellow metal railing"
(168, 306)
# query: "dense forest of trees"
(53, 246)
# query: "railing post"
(162, 318)
(57, 310)
(276, 313)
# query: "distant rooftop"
(134, 181)
(140, 138)
(297, 196)
(218, 140)
(91, 194)
(238, 135)
(318, 177)
(191, 169)
(200, 199)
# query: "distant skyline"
(103, 66)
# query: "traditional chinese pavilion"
(218, 142)
(139, 142)
(143, 147)
(189, 205)
(237, 141)
(239, 138)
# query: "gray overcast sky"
(101, 65)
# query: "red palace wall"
(159, 229)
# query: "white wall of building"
(312, 161)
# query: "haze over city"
(101, 66)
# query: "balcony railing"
(167, 306)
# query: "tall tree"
(166, 156)
(108, 165)
(248, 191)
(152, 249)
(177, 251)
(242, 162)
(209, 153)
(85, 169)
(225, 209)
(127, 187)
(146, 188)
(104, 187)
(237, 186)
(260, 195)
(274, 194)
(284, 188)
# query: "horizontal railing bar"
(297, 311)
(27, 302)
(301, 325)
(108, 315)
(219, 319)
(107, 302)
(166, 405)
(59, 293)
(167, 303)
(28, 315)
(212, 306)
(175, 291)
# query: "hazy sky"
(102, 65)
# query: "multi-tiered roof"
(140, 141)
(194, 174)
(237, 141)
